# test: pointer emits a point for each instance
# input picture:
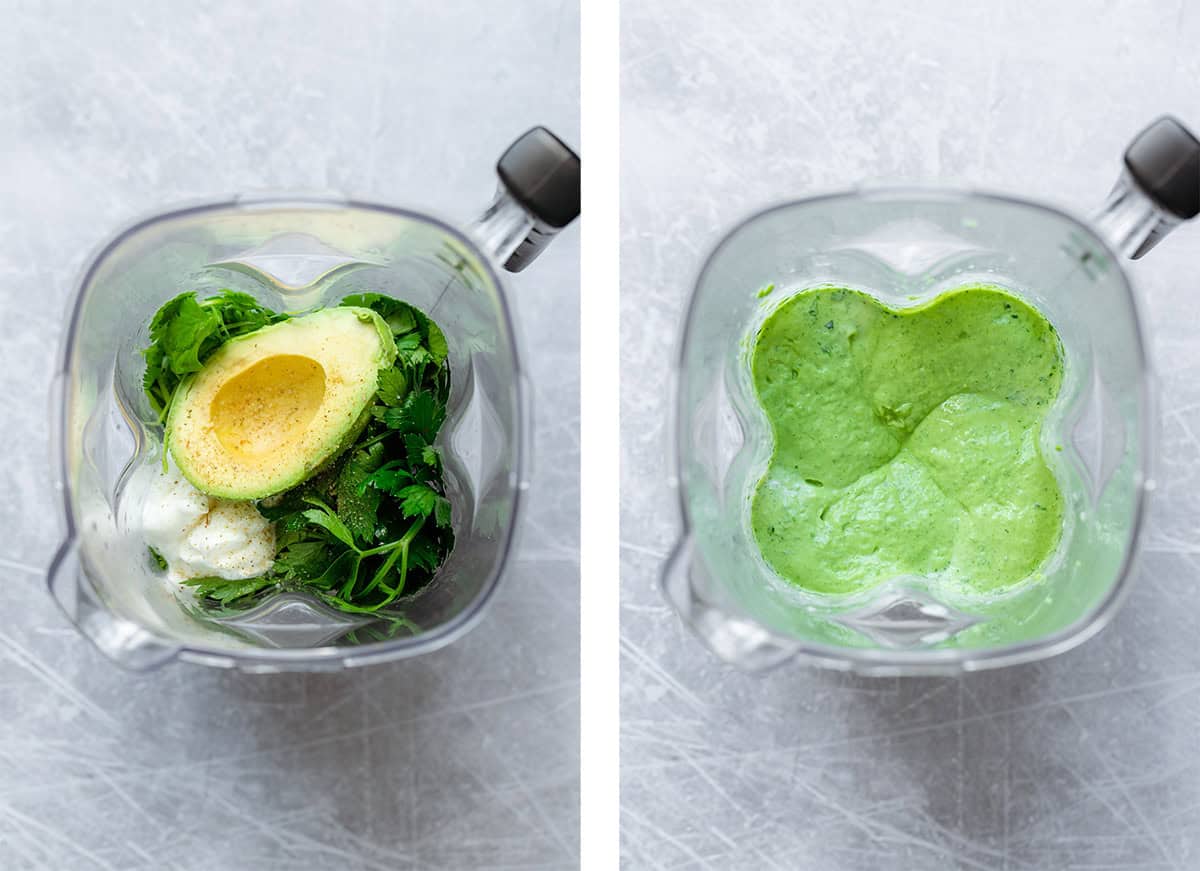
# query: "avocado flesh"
(270, 407)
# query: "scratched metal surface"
(465, 758)
(1085, 761)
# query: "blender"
(907, 246)
(294, 254)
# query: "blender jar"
(905, 247)
(295, 254)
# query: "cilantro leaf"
(225, 591)
(401, 321)
(399, 315)
(425, 554)
(415, 447)
(154, 371)
(438, 349)
(393, 386)
(441, 512)
(241, 313)
(420, 413)
(290, 522)
(302, 560)
(323, 516)
(408, 343)
(357, 504)
(411, 353)
(179, 329)
(417, 500)
(346, 561)
(388, 478)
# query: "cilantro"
(409, 345)
(418, 451)
(386, 628)
(393, 387)
(325, 517)
(424, 554)
(389, 478)
(357, 504)
(417, 500)
(158, 559)
(420, 413)
(385, 306)
(401, 321)
(421, 347)
(334, 570)
(301, 560)
(441, 512)
(225, 592)
(438, 349)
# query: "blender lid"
(1164, 161)
(542, 174)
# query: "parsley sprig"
(186, 332)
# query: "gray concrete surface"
(1087, 761)
(466, 758)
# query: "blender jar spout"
(538, 196)
(1158, 189)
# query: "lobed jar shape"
(907, 441)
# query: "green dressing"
(906, 441)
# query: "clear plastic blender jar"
(295, 254)
(906, 246)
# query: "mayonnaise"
(201, 536)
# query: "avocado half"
(270, 407)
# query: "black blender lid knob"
(542, 174)
(1164, 160)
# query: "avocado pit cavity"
(268, 405)
(271, 406)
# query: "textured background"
(1086, 761)
(465, 758)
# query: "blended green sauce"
(906, 440)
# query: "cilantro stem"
(385, 568)
(342, 605)
(163, 414)
(374, 440)
(404, 539)
(348, 587)
(397, 548)
(403, 576)
(167, 393)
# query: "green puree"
(906, 440)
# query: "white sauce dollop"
(202, 536)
